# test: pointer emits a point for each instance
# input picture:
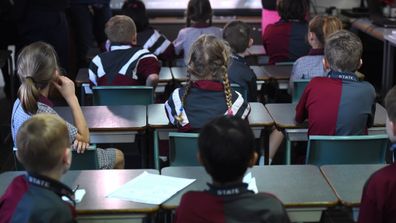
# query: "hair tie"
(229, 112)
(31, 78)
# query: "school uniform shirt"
(156, 43)
(106, 157)
(339, 104)
(234, 203)
(123, 65)
(205, 101)
(240, 73)
(379, 197)
(286, 40)
(36, 198)
(187, 36)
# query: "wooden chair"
(361, 149)
(123, 95)
(298, 89)
(183, 148)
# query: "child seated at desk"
(238, 35)
(226, 150)
(44, 150)
(379, 193)
(125, 63)
(207, 94)
(339, 104)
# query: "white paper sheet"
(150, 188)
(251, 181)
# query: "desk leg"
(387, 68)
(288, 151)
(156, 150)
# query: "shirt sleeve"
(148, 66)
(301, 111)
(370, 211)
(252, 89)
(178, 43)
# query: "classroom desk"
(283, 116)
(301, 188)
(95, 207)
(110, 124)
(157, 120)
(277, 72)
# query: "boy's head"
(238, 35)
(292, 9)
(226, 149)
(43, 144)
(137, 11)
(390, 106)
(121, 29)
(343, 51)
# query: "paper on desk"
(251, 181)
(150, 188)
(78, 196)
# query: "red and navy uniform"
(156, 43)
(123, 65)
(230, 204)
(204, 102)
(339, 104)
(240, 73)
(286, 40)
(36, 198)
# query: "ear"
(360, 64)
(393, 127)
(67, 158)
(253, 160)
(326, 64)
(134, 39)
(199, 158)
(251, 41)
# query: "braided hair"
(208, 60)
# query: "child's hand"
(65, 86)
(80, 145)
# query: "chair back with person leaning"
(298, 89)
(183, 148)
(123, 95)
(360, 149)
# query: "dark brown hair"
(237, 34)
(199, 11)
(323, 26)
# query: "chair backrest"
(362, 149)
(241, 90)
(123, 95)
(86, 161)
(298, 89)
(183, 148)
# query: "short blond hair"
(120, 29)
(41, 142)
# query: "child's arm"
(66, 88)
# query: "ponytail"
(29, 96)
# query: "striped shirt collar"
(230, 190)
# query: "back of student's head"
(36, 67)
(390, 104)
(292, 9)
(137, 11)
(199, 11)
(323, 26)
(120, 29)
(41, 142)
(226, 148)
(343, 51)
(238, 35)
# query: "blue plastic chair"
(183, 148)
(123, 95)
(298, 89)
(361, 149)
(241, 90)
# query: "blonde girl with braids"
(38, 71)
(207, 94)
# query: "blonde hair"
(36, 68)
(41, 142)
(208, 60)
(323, 26)
(120, 29)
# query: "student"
(286, 39)
(148, 37)
(124, 63)
(207, 93)
(379, 194)
(339, 104)
(199, 21)
(38, 71)
(226, 150)
(238, 36)
(269, 14)
(44, 151)
(307, 67)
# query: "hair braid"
(228, 94)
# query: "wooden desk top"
(98, 184)
(83, 77)
(365, 25)
(256, 50)
(295, 185)
(110, 118)
(277, 72)
(348, 181)
(179, 73)
(283, 115)
(258, 117)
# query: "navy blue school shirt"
(240, 73)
